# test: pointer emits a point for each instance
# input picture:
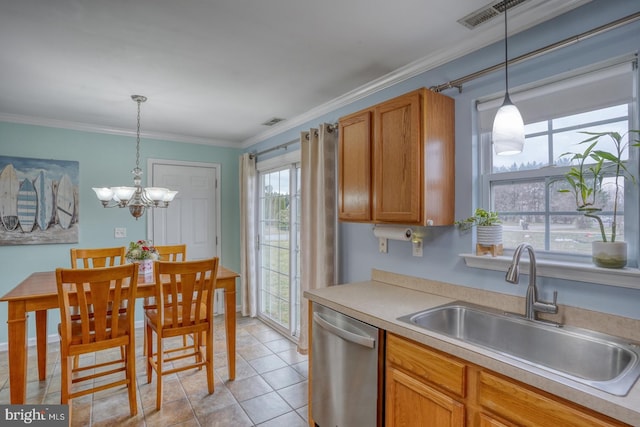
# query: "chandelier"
(136, 198)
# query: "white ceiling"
(214, 70)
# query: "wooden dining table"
(39, 293)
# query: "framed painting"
(39, 201)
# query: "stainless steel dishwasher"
(344, 370)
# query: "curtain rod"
(457, 83)
(330, 128)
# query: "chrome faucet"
(532, 304)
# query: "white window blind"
(571, 94)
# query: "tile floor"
(270, 388)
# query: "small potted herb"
(488, 227)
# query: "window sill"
(624, 277)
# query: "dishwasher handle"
(363, 340)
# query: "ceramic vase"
(145, 270)
(609, 254)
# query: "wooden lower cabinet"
(410, 402)
(425, 387)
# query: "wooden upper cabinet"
(409, 155)
(354, 167)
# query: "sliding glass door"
(278, 245)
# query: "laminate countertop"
(387, 296)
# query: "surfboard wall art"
(38, 201)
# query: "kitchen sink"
(604, 362)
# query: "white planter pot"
(488, 235)
(609, 254)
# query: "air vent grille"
(489, 12)
(273, 121)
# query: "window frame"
(631, 192)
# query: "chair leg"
(144, 342)
(149, 347)
(65, 378)
(131, 378)
(159, 373)
(209, 345)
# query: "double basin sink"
(604, 362)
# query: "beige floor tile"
(265, 361)
(282, 377)
(266, 407)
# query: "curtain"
(248, 213)
(318, 218)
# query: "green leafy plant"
(586, 178)
(480, 217)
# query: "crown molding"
(87, 127)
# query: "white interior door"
(194, 215)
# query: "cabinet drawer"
(530, 408)
(438, 369)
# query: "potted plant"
(488, 230)
(586, 184)
(144, 253)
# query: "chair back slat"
(96, 290)
(97, 257)
(185, 287)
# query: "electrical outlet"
(120, 232)
(382, 245)
(417, 247)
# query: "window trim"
(627, 277)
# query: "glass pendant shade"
(155, 193)
(508, 129)
(104, 194)
(123, 193)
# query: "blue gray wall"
(105, 160)
(442, 245)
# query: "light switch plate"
(120, 232)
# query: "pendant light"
(508, 126)
(136, 198)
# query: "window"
(523, 188)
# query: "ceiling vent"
(489, 12)
(273, 121)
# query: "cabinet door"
(354, 167)
(410, 402)
(527, 407)
(398, 160)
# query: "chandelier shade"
(136, 198)
(508, 126)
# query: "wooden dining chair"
(96, 258)
(166, 253)
(92, 292)
(184, 292)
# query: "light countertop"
(381, 301)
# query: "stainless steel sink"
(601, 361)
